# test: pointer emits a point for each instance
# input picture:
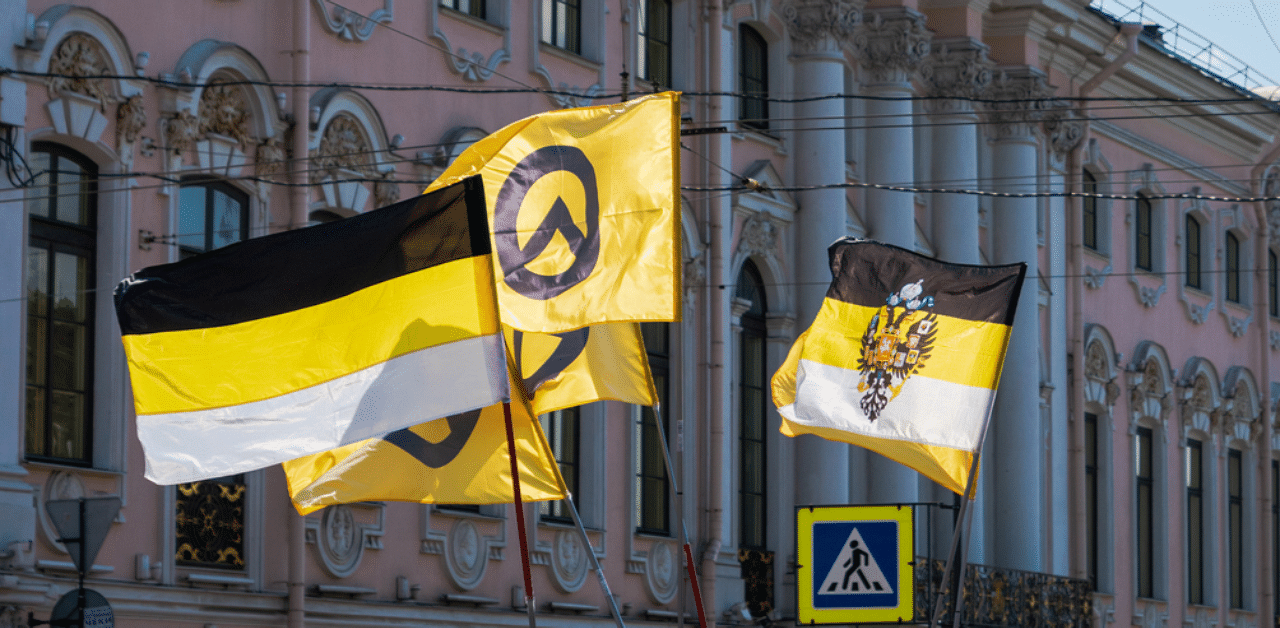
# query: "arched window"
(62, 206)
(1191, 252)
(1272, 283)
(211, 214)
(1143, 234)
(654, 58)
(1144, 454)
(652, 499)
(753, 399)
(1232, 277)
(1195, 477)
(1090, 211)
(1091, 497)
(753, 78)
(1235, 527)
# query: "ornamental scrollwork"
(269, 158)
(1271, 190)
(131, 116)
(1063, 126)
(180, 131)
(343, 146)
(223, 110)
(387, 190)
(351, 26)
(821, 25)
(956, 72)
(892, 44)
(76, 65)
(1019, 96)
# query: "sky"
(1232, 25)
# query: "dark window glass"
(1235, 527)
(561, 24)
(1091, 496)
(1275, 535)
(1143, 242)
(1195, 522)
(655, 42)
(753, 401)
(474, 8)
(1145, 520)
(62, 206)
(1232, 278)
(1193, 251)
(211, 215)
(651, 488)
(562, 430)
(1273, 282)
(753, 78)
(1090, 203)
(209, 517)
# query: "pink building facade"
(1131, 472)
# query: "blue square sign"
(856, 564)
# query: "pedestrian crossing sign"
(855, 564)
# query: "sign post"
(83, 524)
(855, 564)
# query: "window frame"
(753, 111)
(1273, 283)
(571, 39)
(1236, 530)
(210, 185)
(80, 240)
(1089, 212)
(1145, 580)
(553, 426)
(754, 328)
(1232, 286)
(1196, 555)
(647, 41)
(644, 480)
(477, 9)
(1144, 212)
(1192, 254)
(1092, 499)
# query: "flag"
(584, 205)
(462, 459)
(574, 368)
(307, 340)
(903, 357)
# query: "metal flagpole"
(964, 562)
(688, 553)
(529, 602)
(595, 563)
(955, 536)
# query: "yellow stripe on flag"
(180, 371)
(605, 361)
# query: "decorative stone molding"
(465, 555)
(1063, 127)
(1200, 408)
(224, 110)
(1200, 617)
(1100, 376)
(1271, 189)
(180, 131)
(269, 158)
(386, 191)
(695, 276)
(131, 117)
(1094, 277)
(1149, 388)
(1242, 410)
(958, 69)
(1150, 615)
(74, 63)
(59, 485)
(340, 538)
(1274, 337)
(568, 561)
(663, 572)
(820, 25)
(343, 146)
(759, 235)
(351, 26)
(76, 114)
(468, 63)
(1023, 92)
(892, 44)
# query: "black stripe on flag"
(866, 272)
(292, 270)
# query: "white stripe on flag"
(407, 390)
(927, 411)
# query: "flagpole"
(688, 553)
(595, 563)
(529, 602)
(955, 536)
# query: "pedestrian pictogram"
(855, 564)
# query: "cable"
(1263, 22)
(991, 193)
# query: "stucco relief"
(269, 158)
(1100, 385)
(892, 44)
(820, 25)
(74, 63)
(1271, 189)
(386, 191)
(131, 116)
(343, 146)
(695, 276)
(341, 537)
(1063, 126)
(224, 110)
(1200, 410)
(352, 26)
(958, 69)
(759, 235)
(1274, 337)
(59, 485)
(1201, 617)
(465, 555)
(1022, 92)
(180, 131)
(1095, 277)
(568, 561)
(1148, 393)
(1150, 615)
(663, 572)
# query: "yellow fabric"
(187, 370)
(964, 352)
(633, 150)
(613, 365)
(377, 470)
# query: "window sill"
(569, 55)
(1241, 308)
(60, 466)
(467, 18)
(656, 536)
(219, 579)
(759, 136)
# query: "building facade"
(1132, 467)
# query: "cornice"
(1145, 146)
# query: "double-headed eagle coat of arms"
(895, 345)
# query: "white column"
(822, 467)
(959, 68)
(887, 34)
(1018, 448)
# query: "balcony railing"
(1005, 597)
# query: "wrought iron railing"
(1004, 597)
(1183, 43)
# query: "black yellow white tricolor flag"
(307, 340)
(903, 358)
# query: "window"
(1144, 243)
(62, 209)
(209, 519)
(561, 24)
(1275, 535)
(752, 405)
(655, 42)
(211, 215)
(753, 78)
(1272, 284)
(1235, 527)
(1192, 252)
(561, 428)
(1145, 519)
(652, 498)
(1090, 212)
(474, 8)
(1195, 521)
(1232, 278)
(1091, 496)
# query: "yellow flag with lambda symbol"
(462, 459)
(573, 368)
(584, 207)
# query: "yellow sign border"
(806, 516)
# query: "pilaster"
(820, 27)
(891, 43)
